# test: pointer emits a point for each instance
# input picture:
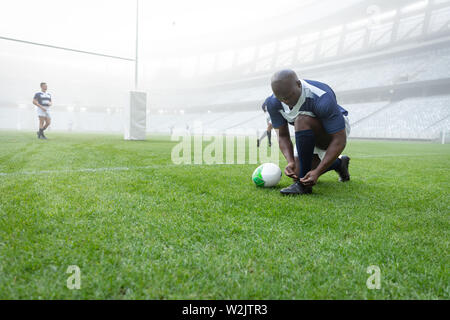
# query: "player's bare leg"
(315, 163)
(323, 140)
(258, 142)
(41, 127)
(47, 123)
(267, 133)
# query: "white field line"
(82, 170)
(364, 156)
(106, 169)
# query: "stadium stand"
(394, 83)
(414, 118)
(360, 111)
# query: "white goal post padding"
(136, 116)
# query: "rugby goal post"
(136, 116)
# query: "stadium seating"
(427, 65)
(359, 111)
(420, 66)
(415, 118)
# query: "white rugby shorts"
(42, 113)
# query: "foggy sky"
(173, 34)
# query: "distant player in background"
(43, 101)
(268, 131)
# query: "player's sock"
(42, 134)
(269, 136)
(344, 175)
(305, 141)
(336, 165)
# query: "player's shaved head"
(284, 75)
(286, 86)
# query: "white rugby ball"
(267, 175)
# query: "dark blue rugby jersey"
(264, 105)
(43, 98)
(317, 100)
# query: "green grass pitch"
(149, 229)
